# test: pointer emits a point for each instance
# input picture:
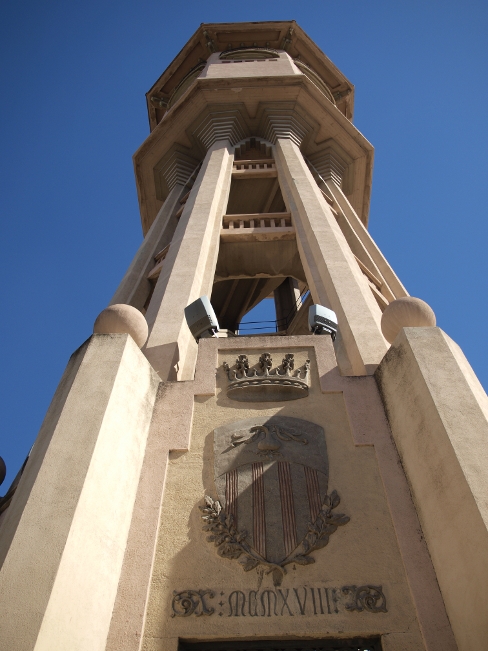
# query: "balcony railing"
(258, 227)
(251, 169)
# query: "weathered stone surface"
(63, 537)
(438, 413)
(122, 319)
(406, 312)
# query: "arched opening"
(259, 271)
(249, 54)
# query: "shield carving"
(271, 478)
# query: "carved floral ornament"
(271, 465)
(265, 384)
(232, 543)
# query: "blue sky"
(73, 79)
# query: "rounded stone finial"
(122, 318)
(406, 312)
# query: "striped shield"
(271, 475)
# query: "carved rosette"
(366, 597)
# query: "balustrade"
(264, 168)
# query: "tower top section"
(249, 83)
(240, 39)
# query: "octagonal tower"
(282, 490)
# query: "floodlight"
(322, 321)
(201, 319)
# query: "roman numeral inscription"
(280, 602)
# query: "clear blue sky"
(73, 80)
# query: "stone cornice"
(331, 163)
(287, 106)
(277, 122)
(280, 35)
(219, 124)
(176, 166)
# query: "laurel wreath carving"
(232, 543)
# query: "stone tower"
(276, 491)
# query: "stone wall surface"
(195, 593)
(438, 413)
(217, 69)
(107, 517)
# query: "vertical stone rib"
(287, 507)
(244, 502)
(313, 492)
(231, 494)
(332, 273)
(259, 522)
(189, 268)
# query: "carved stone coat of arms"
(273, 508)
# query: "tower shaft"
(267, 490)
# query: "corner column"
(438, 415)
(64, 535)
(135, 286)
(332, 273)
(189, 267)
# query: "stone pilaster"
(365, 240)
(286, 297)
(438, 414)
(189, 267)
(135, 287)
(333, 275)
(65, 532)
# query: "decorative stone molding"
(176, 166)
(185, 83)
(268, 384)
(262, 145)
(191, 602)
(220, 125)
(249, 54)
(286, 42)
(231, 123)
(330, 165)
(232, 544)
(283, 123)
(366, 597)
(315, 79)
(209, 41)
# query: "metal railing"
(274, 325)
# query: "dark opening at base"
(356, 644)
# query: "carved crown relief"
(273, 507)
(267, 384)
